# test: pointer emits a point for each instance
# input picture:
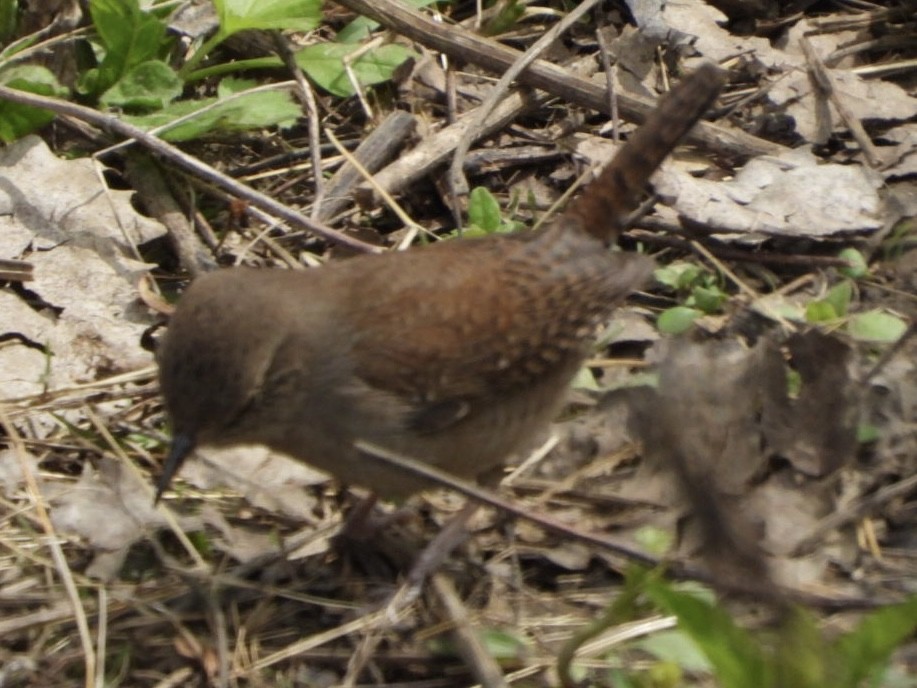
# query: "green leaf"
(736, 657)
(484, 210)
(798, 654)
(505, 19)
(793, 383)
(677, 319)
(130, 37)
(839, 297)
(864, 651)
(661, 675)
(9, 16)
(858, 266)
(866, 433)
(18, 120)
(820, 311)
(677, 275)
(504, 645)
(201, 542)
(324, 63)
(708, 299)
(689, 276)
(242, 112)
(654, 540)
(289, 15)
(676, 646)
(876, 326)
(233, 85)
(148, 86)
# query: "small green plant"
(797, 654)
(505, 19)
(133, 74)
(485, 216)
(857, 265)
(700, 293)
(18, 120)
(133, 46)
(872, 326)
(833, 306)
(708, 643)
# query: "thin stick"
(491, 55)
(457, 182)
(187, 162)
(825, 83)
(610, 85)
(307, 98)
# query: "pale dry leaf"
(81, 238)
(787, 195)
(569, 555)
(824, 42)
(816, 117)
(635, 70)
(242, 544)
(901, 157)
(714, 42)
(11, 475)
(108, 506)
(648, 16)
(595, 150)
(268, 480)
(629, 325)
(24, 362)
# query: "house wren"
(454, 354)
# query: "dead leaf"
(268, 480)
(83, 319)
(11, 475)
(787, 195)
(815, 117)
(110, 508)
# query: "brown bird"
(454, 354)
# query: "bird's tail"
(605, 204)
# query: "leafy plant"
(873, 326)
(506, 17)
(18, 120)
(133, 71)
(797, 654)
(858, 267)
(325, 63)
(238, 106)
(484, 215)
(245, 15)
(709, 643)
(833, 306)
(132, 42)
(700, 293)
(361, 27)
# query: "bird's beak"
(182, 446)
